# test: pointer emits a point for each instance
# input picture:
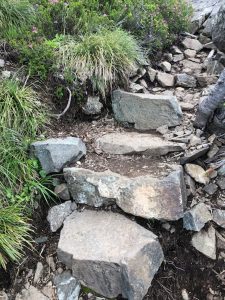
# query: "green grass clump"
(105, 59)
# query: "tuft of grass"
(105, 59)
(20, 108)
(14, 233)
(15, 14)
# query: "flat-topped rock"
(143, 196)
(56, 153)
(109, 253)
(192, 44)
(133, 142)
(146, 111)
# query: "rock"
(57, 214)
(195, 140)
(214, 67)
(132, 142)
(205, 79)
(190, 184)
(185, 80)
(193, 66)
(49, 291)
(165, 80)
(54, 154)
(146, 111)
(31, 294)
(176, 50)
(219, 217)
(38, 272)
(221, 170)
(163, 129)
(143, 196)
(193, 155)
(166, 66)
(168, 56)
(3, 295)
(218, 30)
(41, 240)
(213, 151)
(205, 242)
(136, 88)
(6, 74)
(93, 106)
(62, 191)
(197, 172)
(221, 183)
(210, 189)
(152, 74)
(67, 287)
(51, 263)
(185, 106)
(178, 57)
(185, 295)
(99, 248)
(196, 218)
(2, 63)
(189, 53)
(192, 44)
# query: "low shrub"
(105, 59)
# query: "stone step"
(110, 253)
(136, 143)
(157, 197)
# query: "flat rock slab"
(146, 111)
(132, 142)
(109, 253)
(54, 154)
(143, 196)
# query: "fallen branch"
(58, 116)
(211, 103)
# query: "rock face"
(132, 142)
(67, 287)
(185, 80)
(196, 218)
(109, 253)
(54, 154)
(205, 242)
(218, 30)
(143, 196)
(57, 215)
(146, 111)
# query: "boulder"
(144, 196)
(165, 80)
(93, 106)
(138, 143)
(185, 80)
(57, 214)
(219, 217)
(67, 287)
(54, 154)
(192, 44)
(205, 242)
(146, 111)
(196, 218)
(218, 30)
(99, 247)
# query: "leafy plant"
(104, 59)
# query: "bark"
(211, 103)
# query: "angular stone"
(205, 79)
(57, 215)
(185, 106)
(54, 154)
(136, 88)
(178, 57)
(193, 66)
(218, 30)
(219, 217)
(152, 74)
(176, 50)
(192, 44)
(185, 80)
(146, 111)
(132, 142)
(196, 218)
(38, 272)
(189, 53)
(62, 191)
(93, 106)
(210, 189)
(197, 172)
(166, 66)
(67, 287)
(143, 196)
(31, 293)
(165, 80)
(221, 183)
(193, 155)
(205, 242)
(99, 248)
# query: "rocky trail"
(142, 211)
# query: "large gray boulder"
(146, 111)
(139, 143)
(54, 154)
(109, 253)
(143, 196)
(218, 30)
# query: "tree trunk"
(210, 104)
